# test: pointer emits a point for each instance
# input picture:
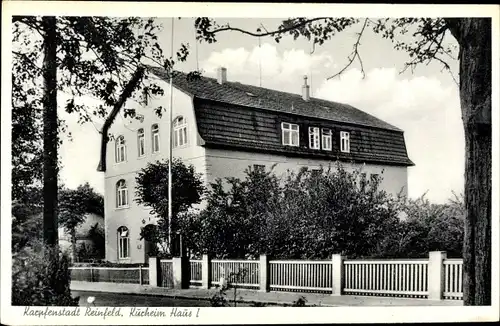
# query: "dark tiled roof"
(268, 99)
(233, 115)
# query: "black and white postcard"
(179, 163)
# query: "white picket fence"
(386, 277)
(242, 273)
(195, 271)
(135, 275)
(300, 275)
(410, 278)
(453, 271)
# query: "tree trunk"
(474, 37)
(49, 132)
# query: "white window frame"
(326, 139)
(155, 138)
(120, 150)
(123, 234)
(345, 145)
(180, 132)
(292, 129)
(121, 194)
(141, 140)
(314, 138)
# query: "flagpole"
(170, 148)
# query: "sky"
(425, 103)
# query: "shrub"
(307, 215)
(41, 277)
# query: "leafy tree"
(473, 36)
(307, 215)
(231, 225)
(152, 191)
(91, 56)
(425, 227)
(41, 276)
(75, 205)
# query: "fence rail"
(243, 273)
(386, 277)
(312, 276)
(134, 275)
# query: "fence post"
(263, 273)
(154, 271)
(140, 274)
(206, 271)
(436, 275)
(180, 271)
(337, 274)
(91, 274)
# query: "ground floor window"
(123, 243)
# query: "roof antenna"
(196, 49)
(310, 69)
(260, 55)
(260, 63)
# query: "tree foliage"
(152, 191)
(41, 277)
(96, 56)
(307, 215)
(313, 214)
(76, 203)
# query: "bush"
(41, 277)
(307, 215)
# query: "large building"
(222, 127)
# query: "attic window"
(290, 134)
(251, 94)
(344, 142)
(314, 137)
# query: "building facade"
(221, 128)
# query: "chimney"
(221, 75)
(305, 90)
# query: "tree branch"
(354, 54)
(27, 59)
(127, 92)
(279, 31)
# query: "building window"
(259, 167)
(344, 142)
(326, 139)
(290, 134)
(180, 132)
(121, 194)
(141, 142)
(123, 243)
(155, 138)
(120, 149)
(314, 137)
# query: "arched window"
(155, 138)
(180, 131)
(123, 242)
(141, 142)
(120, 149)
(121, 194)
